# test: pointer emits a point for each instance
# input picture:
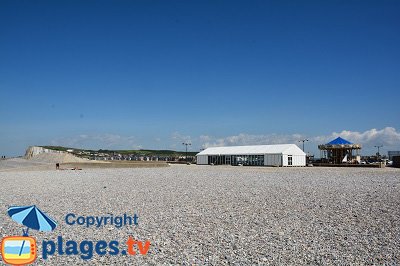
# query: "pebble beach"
(219, 215)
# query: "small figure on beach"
(57, 166)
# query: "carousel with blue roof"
(340, 151)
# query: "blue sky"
(151, 74)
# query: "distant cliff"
(40, 154)
(34, 150)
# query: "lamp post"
(186, 144)
(378, 146)
(303, 140)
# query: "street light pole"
(186, 144)
(303, 140)
(378, 146)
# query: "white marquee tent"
(268, 155)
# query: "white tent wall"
(298, 156)
(202, 159)
(284, 160)
(297, 160)
(273, 159)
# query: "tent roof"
(254, 149)
(339, 141)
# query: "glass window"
(290, 160)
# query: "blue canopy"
(32, 217)
(339, 141)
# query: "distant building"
(256, 155)
(340, 151)
(393, 153)
(396, 161)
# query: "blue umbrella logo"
(33, 218)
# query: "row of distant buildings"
(115, 156)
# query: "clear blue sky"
(156, 72)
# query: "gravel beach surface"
(21, 164)
(219, 214)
